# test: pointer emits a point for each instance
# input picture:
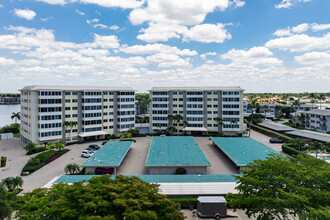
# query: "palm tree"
(17, 182)
(295, 105)
(298, 143)
(72, 168)
(312, 96)
(266, 109)
(143, 103)
(159, 128)
(302, 118)
(8, 183)
(171, 130)
(170, 119)
(16, 116)
(254, 105)
(185, 124)
(232, 122)
(220, 124)
(322, 98)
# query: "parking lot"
(133, 164)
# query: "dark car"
(275, 140)
(94, 146)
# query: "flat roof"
(75, 88)
(161, 178)
(110, 155)
(275, 126)
(311, 134)
(211, 88)
(175, 151)
(323, 112)
(243, 150)
(211, 199)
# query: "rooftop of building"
(110, 155)
(275, 126)
(175, 151)
(323, 112)
(160, 178)
(318, 136)
(75, 88)
(243, 150)
(216, 88)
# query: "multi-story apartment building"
(199, 106)
(318, 120)
(94, 111)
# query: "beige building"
(95, 111)
(199, 106)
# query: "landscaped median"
(41, 160)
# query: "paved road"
(264, 139)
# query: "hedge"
(128, 140)
(36, 150)
(291, 151)
(42, 159)
(271, 133)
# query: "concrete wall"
(172, 170)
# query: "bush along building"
(74, 113)
(197, 110)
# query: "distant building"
(199, 106)
(96, 110)
(318, 120)
(9, 100)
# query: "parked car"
(86, 153)
(275, 140)
(94, 146)
(90, 149)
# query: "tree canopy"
(280, 187)
(101, 198)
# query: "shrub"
(109, 137)
(13, 128)
(130, 139)
(3, 161)
(36, 150)
(257, 118)
(126, 136)
(291, 151)
(29, 148)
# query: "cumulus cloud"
(25, 13)
(103, 26)
(94, 20)
(300, 43)
(157, 48)
(6, 62)
(207, 33)
(314, 58)
(170, 19)
(203, 56)
(46, 19)
(300, 28)
(289, 3)
(320, 27)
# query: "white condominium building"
(199, 106)
(95, 111)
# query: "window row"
(194, 99)
(160, 112)
(91, 129)
(194, 105)
(69, 93)
(125, 99)
(126, 93)
(231, 106)
(107, 93)
(92, 115)
(49, 117)
(230, 99)
(92, 107)
(159, 118)
(159, 99)
(50, 125)
(94, 100)
(92, 93)
(159, 93)
(69, 108)
(126, 119)
(73, 116)
(49, 93)
(230, 112)
(50, 109)
(230, 93)
(194, 119)
(126, 106)
(126, 112)
(69, 100)
(49, 101)
(125, 126)
(49, 134)
(194, 93)
(92, 122)
(194, 112)
(159, 105)
(159, 124)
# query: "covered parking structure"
(242, 150)
(174, 185)
(176, 155)
(107, 159)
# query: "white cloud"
(203, 56)
(169, 19)
(207, 33)
(283, 32)
(300, 28)
(103, 26)
(46, 19)
(79, 12)
(6, 62)
(320, 27)
(314, 58)
(25, 13)
(94, 20)
(256, 56)
(1, 6)
(300, 43)
(157, 48)
(104, 3)
(289, 3)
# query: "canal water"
(5, 114)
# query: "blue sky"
(260, 45)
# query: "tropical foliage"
(72, 168)
(102, 198)
(12, 183)
(280, 187)
(16, 116)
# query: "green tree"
(287, 110)
(265, 109)
(177, 118)
(321, 98)
(185, 124)
(133, 132)
(30, 147)
(280, 187)
(170, 119)
(233, 122)
(302, 117)
(101, 198)
(296, 104)
(220, 124)
(298, 143)
(12, 183)
(59, 145)
(72, 168)
(5, 207)
(171, 130)
(312, 96)
(143, 101)
(254, 105)
(16, 116)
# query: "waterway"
(5, 114)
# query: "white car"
(86, 153)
